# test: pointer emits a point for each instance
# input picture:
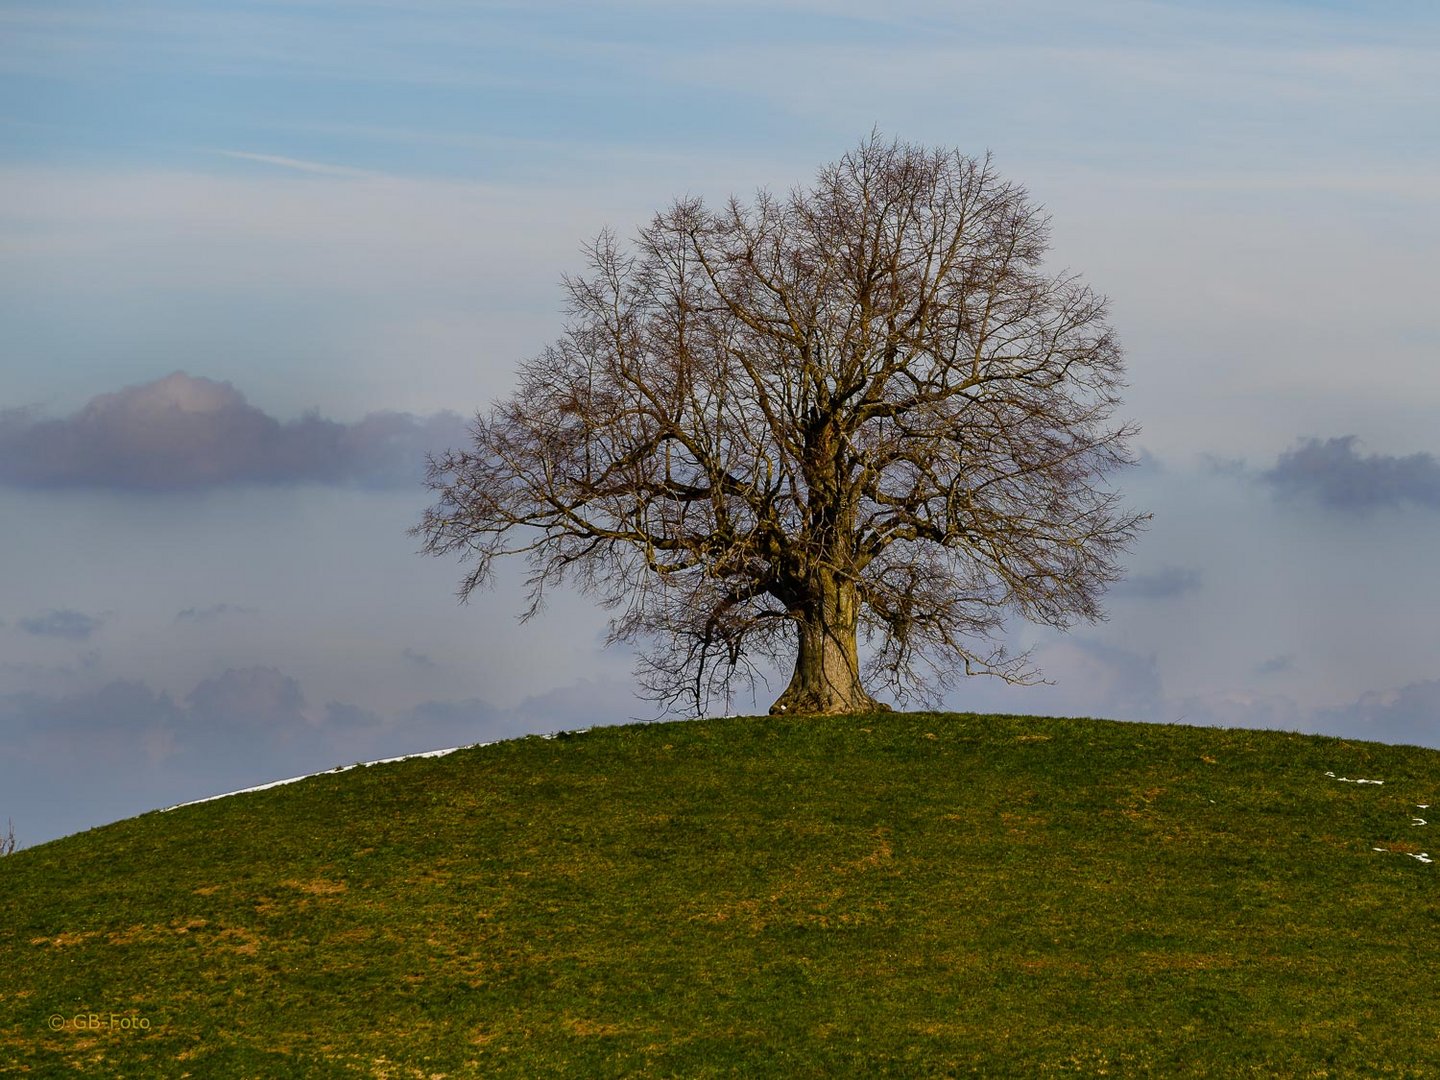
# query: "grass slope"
(912, 894)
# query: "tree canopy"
(773, 432)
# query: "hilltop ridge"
(909, 893)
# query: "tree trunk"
(827, 665)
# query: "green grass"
(899, 895)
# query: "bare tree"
(7, 841)
(863, 412)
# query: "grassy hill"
(907, 895)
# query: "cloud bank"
(1332, 472)
(73, 760)
(184, 433)
(72, 625)
(1406, 715)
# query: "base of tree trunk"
(826, 680)
(808, 702)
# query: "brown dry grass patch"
(66, 939)
(318, 887)
(1403, 847)
(883, 852)
(1155, 963)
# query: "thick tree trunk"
(827, 666)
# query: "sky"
(257, 257)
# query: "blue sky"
(343, 224)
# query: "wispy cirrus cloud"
(184, 433)
(297, 164)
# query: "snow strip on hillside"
(326, 772)
(357, 765)
(389, 760)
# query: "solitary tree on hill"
(773, 431)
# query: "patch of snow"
(358, 765)
(1347, 780)
(1423, 857)
(326, 772)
